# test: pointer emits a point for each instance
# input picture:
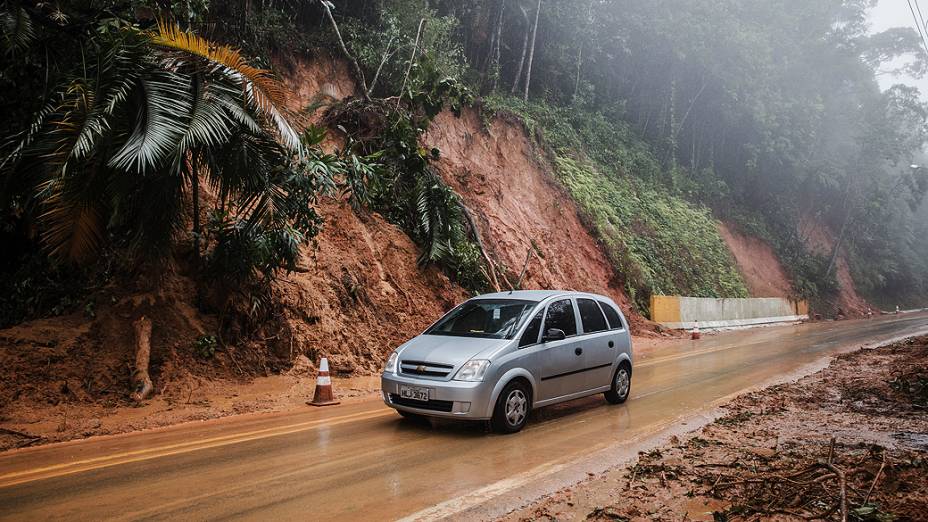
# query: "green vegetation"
(205, 346)
(114, 163)
(659, 115)
(660, 244)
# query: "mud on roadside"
(781, 453)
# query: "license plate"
(415, 393)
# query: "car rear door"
(560, 362)
(598, 344)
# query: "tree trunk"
(195, 185)
(412, 58)
(387, 54)
(140, 377)
(358, 73)
(531, 53)
(844, 225)
(515, 82)
(579, 62)
(499, 38)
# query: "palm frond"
(260, 88)
(21, 142)
(210, 124)
(73, 229)
(16, 29)
(159, 124)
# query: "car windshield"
(490, 318)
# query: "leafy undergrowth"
(659, 242)
(848, 442)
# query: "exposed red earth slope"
(506, 182)
(818, 238)
(361, 295)
(757, 263)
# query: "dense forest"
(660, 116)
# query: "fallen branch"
(842, 481)
(469, 216)
(875, 479)
(528, 257)
(19, 434)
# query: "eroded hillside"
(507, 184)
(757, 263)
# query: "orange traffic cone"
(324, 395)
(695, 333)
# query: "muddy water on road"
(362, 461)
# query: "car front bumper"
(449, 399)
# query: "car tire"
(512, 408)
(621, 384)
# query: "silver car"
(497, 356)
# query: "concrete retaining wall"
(683, 312)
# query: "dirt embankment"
(781, 454)
(360, 296)
(819, 239)
(757, 263)
(506, 182)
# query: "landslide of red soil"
(818, 238)
(757, 262)
(361, 294)
(505, 181)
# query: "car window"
(591, 317)
(493, 318)
(561, 316)
(531, 332)
(613, 316)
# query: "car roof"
(536, 295)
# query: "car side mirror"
(554, 334)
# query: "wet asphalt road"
(360, 461)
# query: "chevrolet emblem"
(420, 368)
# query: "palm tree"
(119, 147)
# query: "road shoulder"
(768, 455)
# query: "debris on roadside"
(847, 443)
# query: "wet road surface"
(361, 461)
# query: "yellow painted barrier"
(676, 311)
(665, 308)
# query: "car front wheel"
(621, 385)
(512, 408)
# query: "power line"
(918, 26)
(919, 21)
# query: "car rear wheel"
(512, 408)
(621, 385)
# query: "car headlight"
(473, 370)
(390, 367)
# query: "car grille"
(432, 404)
(427, 369)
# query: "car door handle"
(578, 351)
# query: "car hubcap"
(621, 383)
(516, 407)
